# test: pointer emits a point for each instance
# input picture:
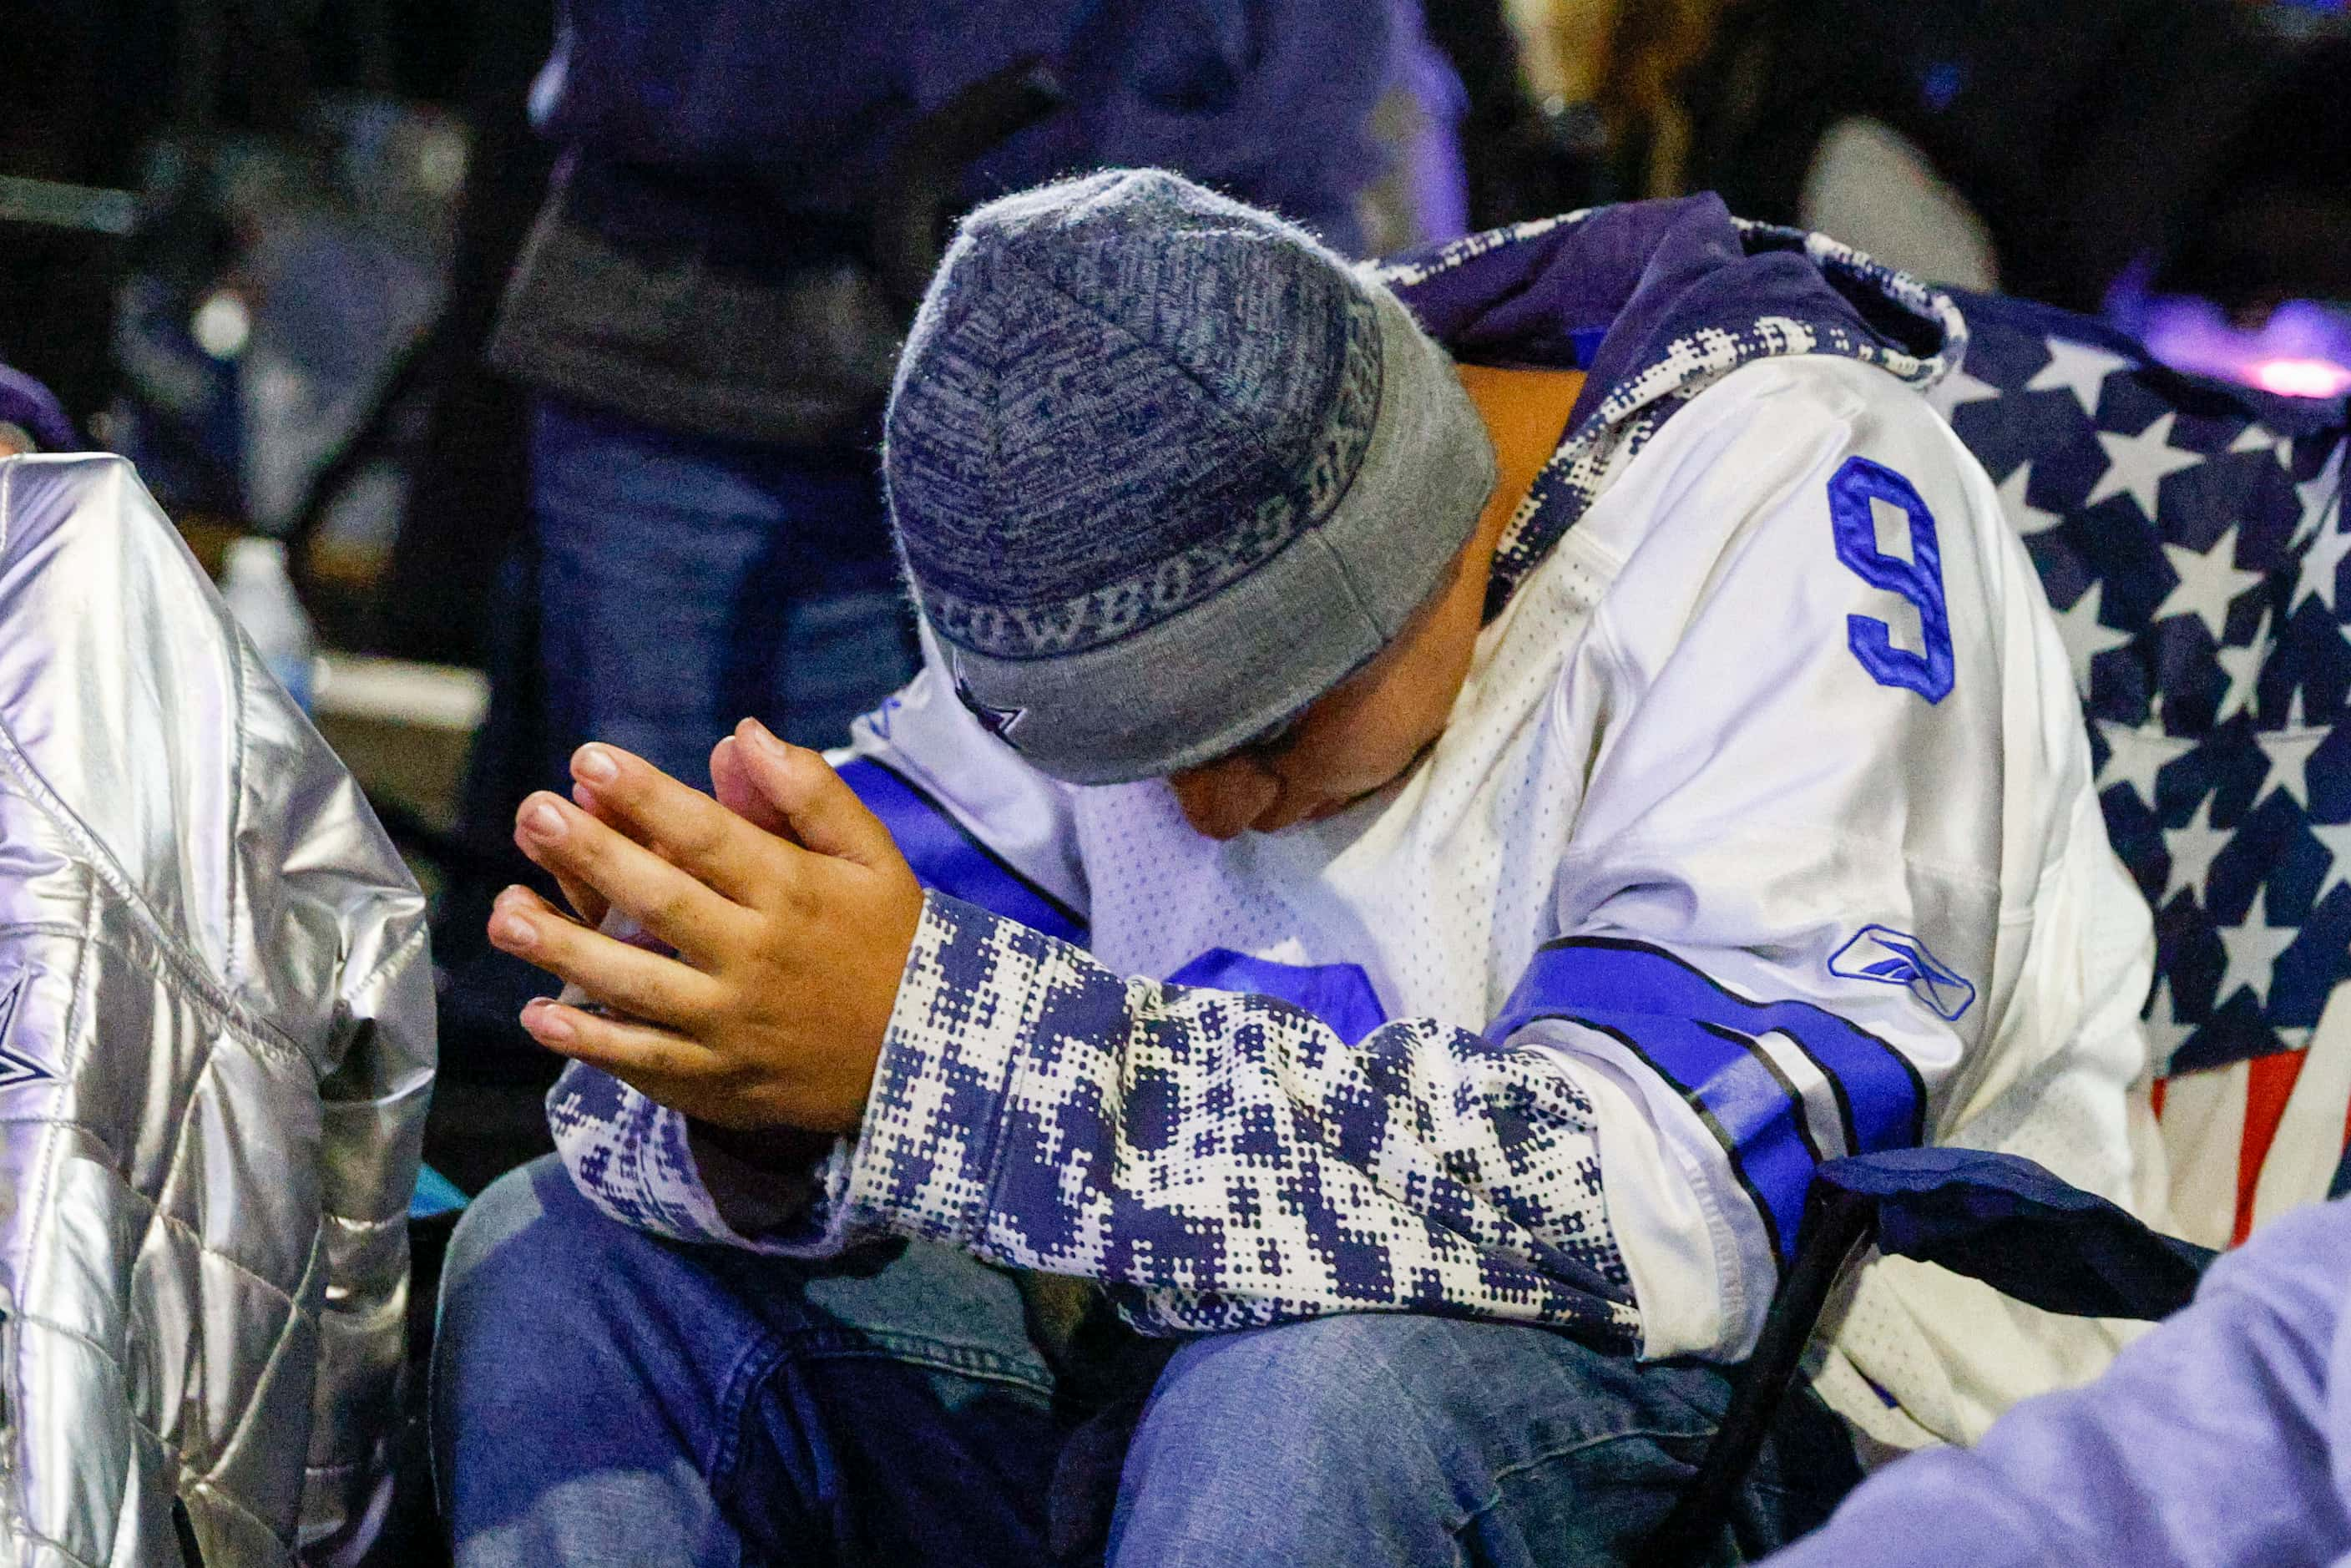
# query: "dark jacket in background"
(702, 263)
(2086, 135)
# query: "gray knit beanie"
(1165, 470)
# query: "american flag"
(2191, 537)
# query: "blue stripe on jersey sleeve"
(1701, 1037)
(1341, 994)
(946, 856)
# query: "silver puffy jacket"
(216, 1048)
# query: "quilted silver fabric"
(215, 1049)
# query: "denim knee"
(506, 1206)
(1394, 1439)
(525, 1257)
(1284, 1399)
(529, 1237)
(1293, 1444)
(592, 1378)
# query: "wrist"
(761, 1179)
(772, 1151)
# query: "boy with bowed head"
(1436, 797)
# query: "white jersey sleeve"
(1837, 751)
(975, 820)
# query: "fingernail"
(513, 932)
(595, 764)
(543, 821)
(539, 1017)
(764, 739)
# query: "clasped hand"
(786, 908)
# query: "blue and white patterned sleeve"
(1223, 1161)
(1220, 1161)
(637, 1161)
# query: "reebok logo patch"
(1889, 957)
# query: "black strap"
(1995, 1217)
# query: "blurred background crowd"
(542, 344)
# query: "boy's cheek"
(1223, 801)
(1348, 768)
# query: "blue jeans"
(601, 1397)
(687, 581)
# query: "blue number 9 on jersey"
(1918, 580)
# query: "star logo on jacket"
(16, 1068)
(999, 722)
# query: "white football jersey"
(1764, 821)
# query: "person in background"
(2042, 151)
(31, 420)
(709, 340)
(2222, 1439)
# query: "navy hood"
(1655, 301)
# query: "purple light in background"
(1940, 84)
(2304, 350)
(2301, 377)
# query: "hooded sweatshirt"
(1760, 832)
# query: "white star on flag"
(2022, 515)
(2209, 582)
(2320, 494)
(2079, 368)
(2289, 750)
(2319, 565)
(2134, 757)
(2259, 438)
(2244, 668)
(2138, 464)
(2334, 838)
(2166, 1031)
(2086, 635)
(2193, 848)
(2253, 949)
(1957, 389)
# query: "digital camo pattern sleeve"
(631, 1157)
(1223, 1161)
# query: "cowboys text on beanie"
(1164, 470)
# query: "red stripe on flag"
(2269, 1084)
(2155, 1098)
